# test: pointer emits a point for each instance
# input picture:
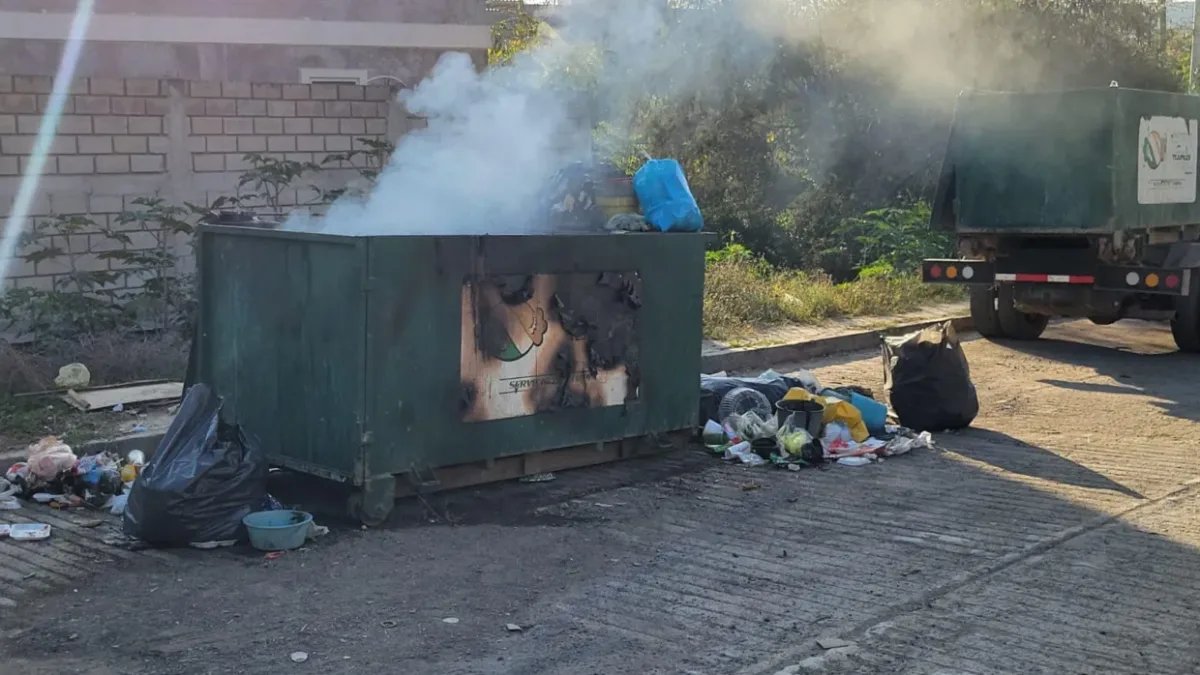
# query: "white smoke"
(494, 138)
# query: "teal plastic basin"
(281, 530)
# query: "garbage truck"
(1076, 203)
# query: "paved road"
(1059, 536)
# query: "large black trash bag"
(204, 477)
(928, 380)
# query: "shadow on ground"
(1149, 366)
(1015, 456)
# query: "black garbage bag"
(203, 479)
(928, 380)
(714, 388)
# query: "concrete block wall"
(120, 139)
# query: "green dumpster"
(381, 361)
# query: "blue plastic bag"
(666, 199)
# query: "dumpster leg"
(372, 504)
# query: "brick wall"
(120, 139)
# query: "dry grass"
(112, 359)
(740, 297)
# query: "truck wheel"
(984, 314)
(1017, 324)
(1185, 327)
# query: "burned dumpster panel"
(535, 343)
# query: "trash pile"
(204, 480)
(583, 197)
(794, 421)
(52, 474)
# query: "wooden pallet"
(529, 464)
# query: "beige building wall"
(184, 141)
(169, 95)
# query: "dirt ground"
(1057, 536)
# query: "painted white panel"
(221, 30)
(1167, 160)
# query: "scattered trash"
(210, 545)
(43, 497)
(299, 657)
(5, 528)
(928, 380)
(751, 426)
(743, 453)
(28, 531)
(91, 524)
(138, 429)
(315, 531)
(73, 376)
(274, 555)
(666, 199)
(450, 619)
(742, 401)
(204, 478)
(904, 444)
(770, 384)
(117, 505)
(124, 541)
(120, 407)
(750, 487)
(389, 623)
(513, 628)
(538, 478)
(9, 504)
(628, 222)
(713, 433)
(49, 457)
(832, 643)
(854, 461)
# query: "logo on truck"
(1154, 149)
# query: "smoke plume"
(495, 137)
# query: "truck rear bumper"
(1108, 278)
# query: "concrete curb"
(764, 357)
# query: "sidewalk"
(796, 343)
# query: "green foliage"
(369, 159)
(268, 177)
(895, 239)
(167, 295)
(78, 300)
(518, 33)
(142, 286)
